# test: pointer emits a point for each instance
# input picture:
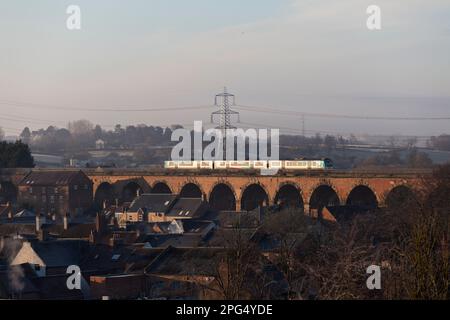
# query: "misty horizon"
(290, 55)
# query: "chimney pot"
(38, 222)
(66, 221)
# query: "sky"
(308, 56)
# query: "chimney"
(112, 242)
(38, 222)
(92, 237)
(10, 211)
(42, 235)
(66, 221)
(99, 223)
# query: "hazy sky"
(303, 55)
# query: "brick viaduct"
(246, 190)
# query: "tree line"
(15, 155)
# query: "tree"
(98, 132)
(15, 155)
(330, 142)
(80, 127)
(25, 136)
(144, 155)
(418, 159)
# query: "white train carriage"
(275, 164)
(316, 164)
(206, 164)
(188, 164)
(170, 164)
(220, 165)
(259, 164)
(296, 165)
(239, 164)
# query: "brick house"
(56, 192)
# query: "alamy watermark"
(226, 144)
(74, 280)
(73, 21)
(374, 19)
(374, 280)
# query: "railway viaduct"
(240, 190)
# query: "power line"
(99, 109)
(272, 110)
(294, 130)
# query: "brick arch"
(289, 183)
(105, 193)
(325, 182)
(364, 183)
(309, 205)
(228, 184)
(198, 185)
(248, 184)
(254, 183)
(214, 204)
(165, 182)
(388, 192)
(99, 181)
(358, 186)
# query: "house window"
(56, 190)
(37, 267)
(31, 190)
(52, 199)
(75, 187)
(85, 187)
(44, 199)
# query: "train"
(299, 164)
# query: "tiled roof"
(59, 253)
(152, 202)
(185, 261)
(186, 207)
(44, 178)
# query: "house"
(6, 211)
(184, 272)
(144, 207)
(118, 286)
(160, 208)
(187, 208)
(56, 192)
(21, 282)
(99, 144)
(118, 273)
(15, 283)
(50, 257)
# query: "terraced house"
(56, 192)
